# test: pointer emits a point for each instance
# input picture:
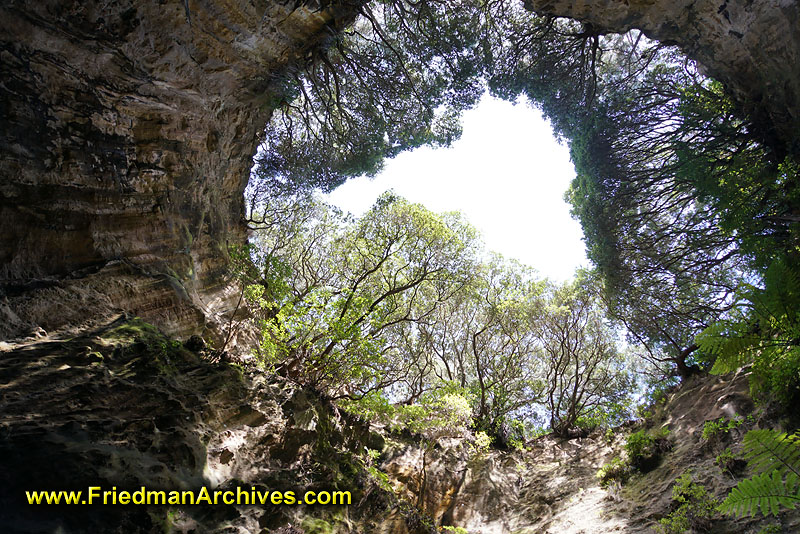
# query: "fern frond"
(768, 450)
(768, 492)
(731, 341)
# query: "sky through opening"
(507, 174)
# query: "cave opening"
(128, 132)
(664, 158)
(507, 173)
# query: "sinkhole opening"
(507, 174)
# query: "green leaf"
(768, 450)
(776, 457)
(767, 492)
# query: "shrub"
(713, 430)
(442, 412)
(725, 459)
(615, 470)
(481, 444)
(693, 507)
(645, 449)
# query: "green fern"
(768, 450)
(763, 329)
(768, 492)
(775, 456)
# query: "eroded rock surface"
(127, 133)
(125, 407)
(552, 488)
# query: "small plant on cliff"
(713, 430)
(727, 461)
(693, 508)
(608, 436)
(645, 449)
(616, 470)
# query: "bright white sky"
(507, 174)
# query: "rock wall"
(127, 134)
(752, 46)
(551, 487)
(124, 406)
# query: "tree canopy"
(403, 306)
(687, 207)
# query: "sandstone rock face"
(123, 406)
(752, 46)
(127, 133)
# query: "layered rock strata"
(127, 134)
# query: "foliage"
(693, 507)
(686, 204)
(399, 316)
(445, 411)
(380, 478)
(440, 412)
(586, 384)
(726, 460)
(764, 331)
(713, 429)
(679, 202)
(316, 526)
(372, 406)
(397, 79)
(775, 458)
(616, 470)
(644, 449)
(768, 493)
(657, 390)
(518, 432)
(351, 284)
(481, 339)
(643, 452)
(482, 442)
(669, 270)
